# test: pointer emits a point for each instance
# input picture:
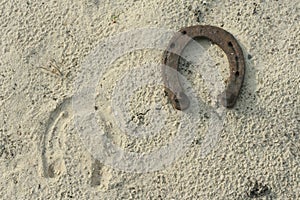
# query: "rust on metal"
(216, 35)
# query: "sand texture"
(83, 113)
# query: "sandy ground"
(44, 153)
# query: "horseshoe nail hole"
(230, 44)
(172, 45)
(237, 73)
(183, 32)
(236, 58)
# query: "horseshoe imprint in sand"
(53, 141)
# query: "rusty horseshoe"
(216, 35)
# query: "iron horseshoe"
(216, 35)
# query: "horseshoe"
(216, 35)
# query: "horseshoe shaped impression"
(218, 36)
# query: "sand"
(71, 129)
